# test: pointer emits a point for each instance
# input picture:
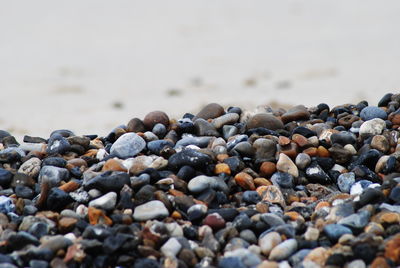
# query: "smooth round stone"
(272, 219)
(268, 242)
(5, 177)
(248, 258)
(372, 112)
(295, 113)
(171, 248)
(380, 143)
(285, 164)
(215, 221)
(284, 250)
(372, 127)
(202, 182)
(128, 145)
(249, 236)
(264, 120)
(299, 256)
(151, 210)
(24, 192)
(302, 160)
(345, 181)
(106, 202)
(371, 196)
(52, 175)
(196, 212)
(241, 221)
(226, 119)
(160, 130)
(283, 180)
(189, 157)
(395, 195)
(57, 144)
(135, 125)
(244, 148)
(210, 111)
(251, 197)
(335, 231)
(155, 117)
(229, 131)
(312, 234)
(21, 239)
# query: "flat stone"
(264, 120)
(372, 112)
(285, 164)
(296, 113)
(150, 210)
(106, 202)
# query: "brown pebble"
(283, 140)
(322, 151)
(66, 224)
(392, 249)
(379, 262)
(155, 117)
(264, 120)
(215, 221)
(222, 168)
(245, 181)
(312, 151)
(75, 252)
(300, 140)
(69, 186)
(210, 111)
(135, 125)
(267, 169)
(261, 182)
(113, 165)
(97, 216)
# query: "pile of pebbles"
(304, 187)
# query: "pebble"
(5, 178)
(335, 231)
(302, 160)
(150, 210)
(171, 248)
(154, 118)
(345, 181)
(264, 120)
(372, 112)
(296, 113)
(284, 250)
(285, 164)
(128, 145)
(106, 202)
(372, 127)
(268, 242)
(210, 111)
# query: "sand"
(92, 65)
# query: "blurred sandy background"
(91, 65)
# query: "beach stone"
(296, 113)
(317, 257)
(312, 234)
(171, 248)
(210, 111)
(229, 262)
(58, 199)
(272, 194)
(54, 161)
(5, 178)
(283, 180)
(265, 150)
(31, 167)
(57, 144)
(372, 127)
(160, 130)
(335, 231)
(316, 174)
(264, 120)
(268, 242)
(106, 202)
(197, 211)
(155, 117)
(6, 204)
(142, 162)
(22, 239)
(128, 145)
(189, 157)
(135, 125)
(285, 164)
(226, 119)
(151, 210)
(52, 175)
(24, 192)
(245, 181)
(251, 197)
(156, 146)
(372, 112)
(215, 221)
(202, 182)
(108, 181)
(343, 138)
(302, 160)
(284, 250)
(356, 221)
(380, 143)
(204, 128)
(345, 181)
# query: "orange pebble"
(267, 169)
(322, 152)
(222, 168)
(245, 181)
